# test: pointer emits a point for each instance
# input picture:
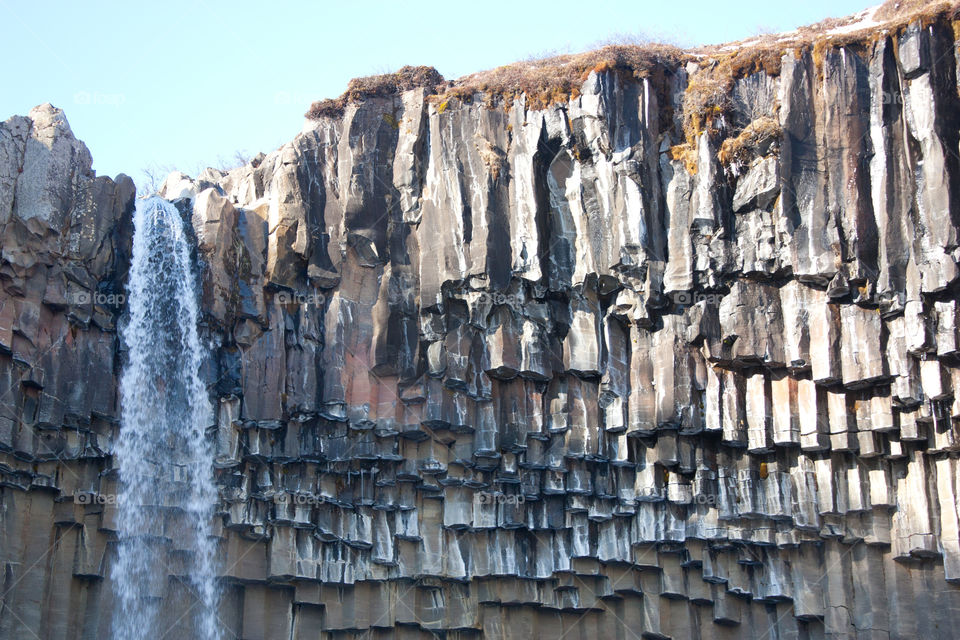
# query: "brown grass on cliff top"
(544, 82)
(559, 78)
(889, 17)
(708, 92)
(387, 84)
(900, 9)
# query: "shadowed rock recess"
(484, 370)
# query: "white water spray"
(167, 494)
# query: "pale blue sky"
(190, 83)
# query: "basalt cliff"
(669, 351)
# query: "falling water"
(167, 492)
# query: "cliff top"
(558, 78)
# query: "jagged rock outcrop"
(66, 241)
(489, 370)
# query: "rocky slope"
(671, 356)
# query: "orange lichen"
(685, 153)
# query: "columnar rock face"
(65, 247)
(497, 371)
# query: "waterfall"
(167, 494)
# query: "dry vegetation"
(493, 157)
(685, 153)
(543, 82)
(755, 140)
(708, 100)
(709, 91)
(387, 84)
(897, 10)
(559, 78)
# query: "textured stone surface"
(66, 241)
(490, 372)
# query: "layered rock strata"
(496, 371)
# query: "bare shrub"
(153, 177)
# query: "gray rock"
(759, 185)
